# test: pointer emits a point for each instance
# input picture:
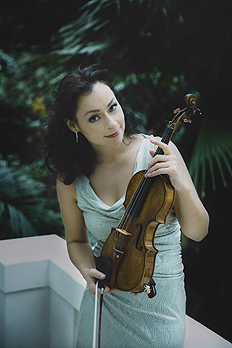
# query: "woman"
(95, 149)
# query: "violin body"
(130, 249)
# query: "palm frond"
(20, 225)
(2, 207)
(23, 210)
(212, 153)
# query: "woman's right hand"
(91, 277)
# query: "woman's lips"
(113, 135)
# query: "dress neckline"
(123, 197)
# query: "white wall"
(40, 295)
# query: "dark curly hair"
(64, 156)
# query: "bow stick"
(103, 265)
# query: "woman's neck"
(114, 153)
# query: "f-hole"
(139, 247)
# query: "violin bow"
(103, 265)
(95, 318)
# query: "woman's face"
(100, 117)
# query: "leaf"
(19, 223)
(212, 152)
(1, 209)
(26, 213)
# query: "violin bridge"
(122, 231)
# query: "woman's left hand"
(194, 225)
(165, 164)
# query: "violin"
(130, 248)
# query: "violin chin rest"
(103, 265)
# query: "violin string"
(136, 198)
(146, 181)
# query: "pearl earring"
(76, 136)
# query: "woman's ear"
(72, 125)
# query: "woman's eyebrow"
(110, 102)
(97, 110)
(91, 111)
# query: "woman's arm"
(78, 244)
(190, 212)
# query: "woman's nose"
(110, 121)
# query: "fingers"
(94, 276)
(161, 164)
(94, 273)
(106, 291)
(168, 168)
(162, 145)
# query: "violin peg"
(197, 111)
(176, 111)
(187, 120)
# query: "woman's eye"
(94, 118)
(113, 107)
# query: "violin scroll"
(191, 100)
(185, 115)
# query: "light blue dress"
(135, 321)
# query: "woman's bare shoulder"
(68, 191)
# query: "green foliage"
(23, 206)
(212, 153)
(157, 52)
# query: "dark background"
(158, 51)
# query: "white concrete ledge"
(40, 293)
(40, 296)
(37, 262)
(199, 336)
